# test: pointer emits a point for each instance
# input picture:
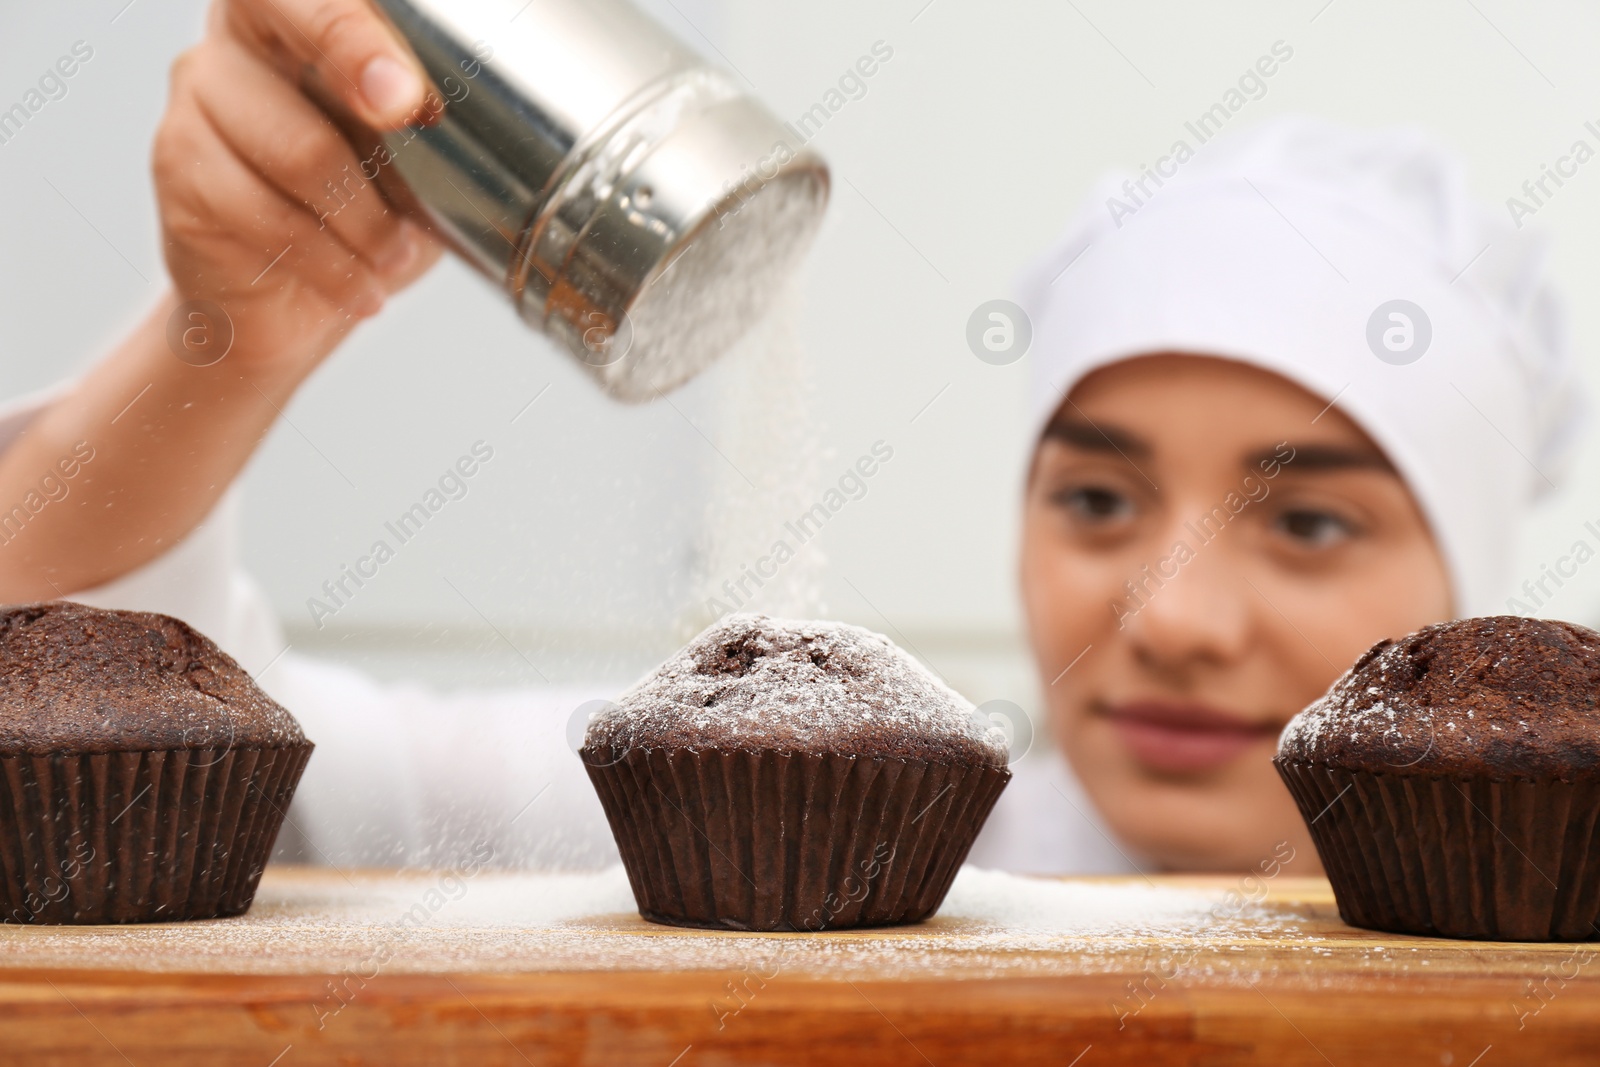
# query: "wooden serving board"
(529, 969)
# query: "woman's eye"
(1094, 504)
(1314, 529)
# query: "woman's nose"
(1193, 605)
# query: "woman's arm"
(261, 250)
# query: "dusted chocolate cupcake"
(1451, 782)
(778, 775)
(145, 775)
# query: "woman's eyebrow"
(1317, 458)
(1096, 437)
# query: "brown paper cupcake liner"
(767, 841)
(1510, 860)
(123, 837)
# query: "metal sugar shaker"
(634, 203)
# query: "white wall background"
(972, 146)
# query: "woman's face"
(1206, 547)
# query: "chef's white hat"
(1278, 247)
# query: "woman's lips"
(1184, 738)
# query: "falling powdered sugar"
(767, 472)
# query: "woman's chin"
(1224, 815)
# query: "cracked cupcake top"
(76, 679)
(1501, 696)
(753, 683)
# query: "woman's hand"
(265, 209)
(245, 167)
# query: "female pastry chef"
(1233, 492)
(1289, 400)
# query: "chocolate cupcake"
(145, 775)
(1451, 782)
(778, 775)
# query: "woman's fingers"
(231, 232)
(428, 252)
(353, 49)
(279, 134)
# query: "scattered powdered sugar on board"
(1013, 904)
(320, 921)
(750, 681)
